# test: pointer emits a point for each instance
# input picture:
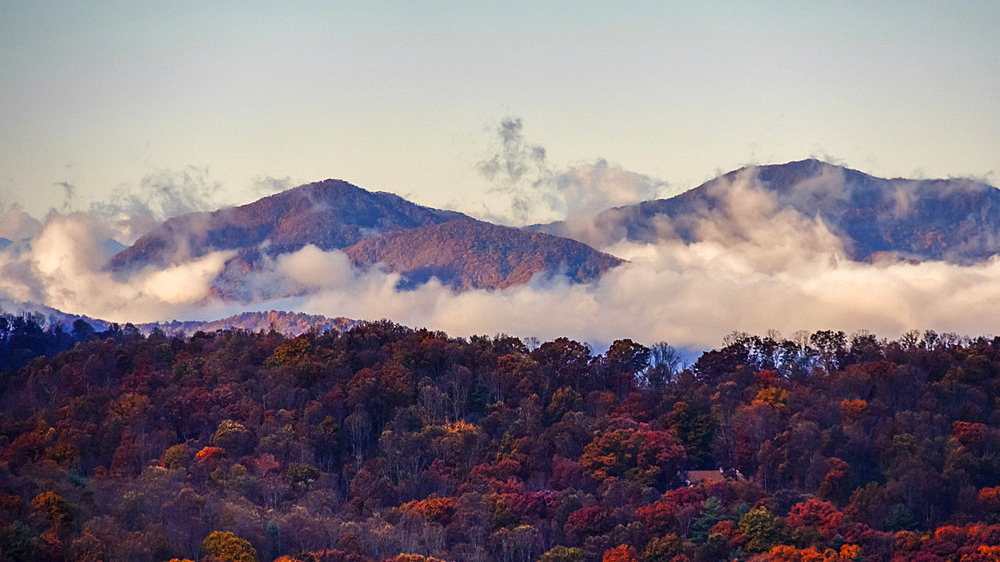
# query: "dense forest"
(385, 442)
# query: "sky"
(247, 97)
(117, 115)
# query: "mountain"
(418, 242)
(48, 317)
(330, 214)
(479, 255)
(286, 323)
(956, 220)
(283, 322)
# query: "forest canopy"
(385, 442)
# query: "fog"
(755, 265)
(764, 268)
(63, 267)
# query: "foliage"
(227, 546)
(382, 440)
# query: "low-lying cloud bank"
(63, 267)
(690, 296)
(757, 266)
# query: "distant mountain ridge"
(956, 220)
(330, 214)
(371, 227)
(48, 317)
(476, 255)
(283, 322)
(947, 219)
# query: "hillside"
(479, 255)
(417, 241)
(956, 220)
(283, 322)
(331, 214)
(381, 440)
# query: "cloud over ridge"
(748, 260)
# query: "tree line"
(391, 443)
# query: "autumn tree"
(227, 546)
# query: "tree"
(562, 554)
(634, 452)
(625, 360)
(52, 507)
(82, 330)
(227, 546)
(663, 363)
(620, 553)
(836, 483)
(233, 436)
(821, 515)
(662, 549)
(713, 511)
(832, 346)
(563, 360)
(762, 529)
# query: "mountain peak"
(940, 219)
(371, 227)
(331, 214)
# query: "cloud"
(133, 211)
(266, 185)
(531, 190)
(690, 295)
(15, 224)
(754, 264)
(69, 191)
(757, 266)
(63, 266)
(588, 189)
(515, 158)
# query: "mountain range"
(371, 227)
(331, 215)
(955, 220)
(283, 322)
(476, 254)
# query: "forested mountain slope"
(956, 220)
(385, 440)
(378, 227)
(331, 214)
(479, 255)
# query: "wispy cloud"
(530, 189)
(133, 210)
(755, 264)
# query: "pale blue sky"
(400, 96)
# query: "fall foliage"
(389, 443)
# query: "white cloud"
(64, 267)
(757, 266)
(527, 189)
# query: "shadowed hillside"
(479, 255)
(331, 214)
(956, 220)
